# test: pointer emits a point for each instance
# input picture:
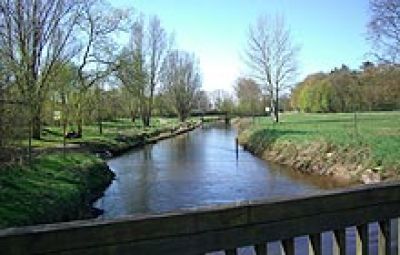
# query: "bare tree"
(143, 60)
(98, 24)
(131, 68)
(158, 46)
(34, 36)
(182, 81)
(384, 29)
(272, 57)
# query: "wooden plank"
(213, 240)
(339, 242)
(231, 252)
(314, 244)
(384, 237)
(261, 249)
(209, 229)
(398, 236)
(362, 240)
(288, 246)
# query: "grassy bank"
(364, 148)
(117, 136)
(53, 188)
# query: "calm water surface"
(200, 168)
(197, 169)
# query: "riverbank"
(57, 187)
(362, 149)
(116, 138)
(122, 142)
(53, 188)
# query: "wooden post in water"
(237, 148)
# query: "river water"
(201, 168)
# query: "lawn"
(52, 135)
(377, 132)
(54, 187)
(60, 187)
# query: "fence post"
(362, 240)
(314, 244)
(384, 238)
(339, 242)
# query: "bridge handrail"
(226, 227)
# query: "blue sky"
(330, 32)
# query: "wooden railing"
(223, 228)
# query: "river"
(201, 168)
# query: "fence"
(203, 230)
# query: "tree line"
(63, 61)
(372, 88)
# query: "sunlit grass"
(52, 136)
(378, 131)
(53, 188)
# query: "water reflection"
(200, 168)
(196, 169)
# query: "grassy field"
(53, 188)
(372, 137)
(57, 187)
(52, 136)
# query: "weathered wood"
(210, 229)
(398, 236)
(384, 237)
(261, 249)
(231, 252)
(288, 246)
(339, 242)
(362, 240)
(314, 244)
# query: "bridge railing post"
(314, 244)
(362, 240)
(339, 242)
(384, 237)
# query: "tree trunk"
(272, 105)
(36, 125)
(100, 126)
(145, 120)
(277, 104)
(276, 109)
(79, 121)
(150, 105)
(80, 126)
(133, 116)
(147, 114)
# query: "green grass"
(117, 135)
(52, 136)
(53, 188)
(378, 132)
